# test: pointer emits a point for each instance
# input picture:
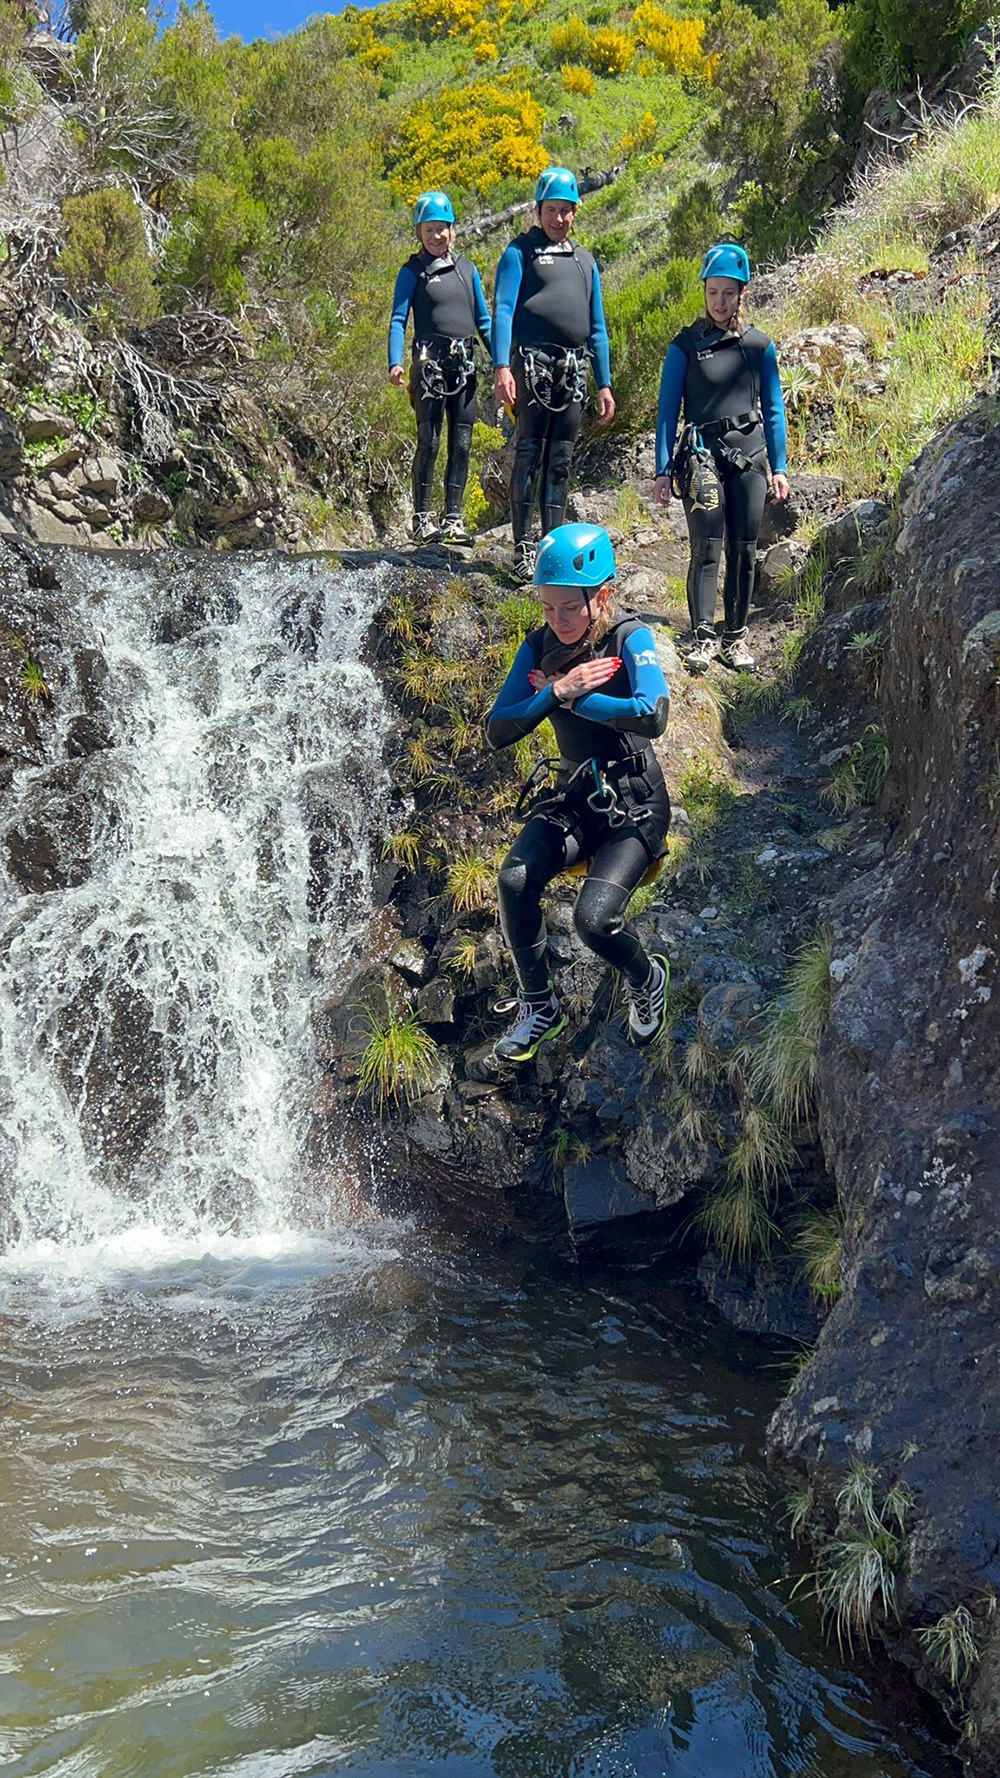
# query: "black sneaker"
(422, 528)
(454, 531)
(524, 563)
(537, 1020)
(647, 1006)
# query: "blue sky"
(266, 18)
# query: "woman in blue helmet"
(725, 375)
(597, 680)
(445, 296)
(549, 322)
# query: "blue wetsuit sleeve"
(600, 348)
(508, 284)
(483, 323)
(518, 708)
(646, 711)
(672, 383)
(402, 298)
(772, 404)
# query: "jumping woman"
(549, 326)
(725, 374)
(597, 679)
(445, 295)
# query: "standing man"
(549, 319)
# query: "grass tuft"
(819, 1243)
(859, 779)
(951, 1647)
(470, 882)
(399, 1059)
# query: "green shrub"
(105, 255)
(212, 238)
(895, 43)
(774, 117)
(643, 317)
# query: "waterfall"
(213, 866)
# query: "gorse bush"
(443, 18)
(609, 52)
(472, 136)
(677, 44)
(577, 79)
(105, 257)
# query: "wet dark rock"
(598, 1191)
(772, 1299)
(436, 1001)
(86, 735)
(909, 1069)
(727, 1014)
(50, 845)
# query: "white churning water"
(156, 1061)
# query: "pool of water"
(389, 1508)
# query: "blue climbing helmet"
(726, 260)
(432, 206)
(557, 185)
(575, 555)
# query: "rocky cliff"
(906, 1370)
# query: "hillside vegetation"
(258, 194)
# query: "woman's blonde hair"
(606, 618)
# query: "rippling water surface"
(286, 1508)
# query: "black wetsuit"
(734, 420)
(605, 756)
(448, 306)
(549, 325)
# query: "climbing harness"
(444, 367)
(604, 788)
(556, 377)
(692, 473)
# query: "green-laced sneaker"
(453, 531)
(647, 1006)
(537, 1020)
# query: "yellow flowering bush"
(485, 51)
(641, 137)
(471, 136)
(609, 51)
(570, 42)
(577, 80)
(443, 18)
(678, 44)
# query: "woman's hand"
(396, 375)
(780, 486)
(585, 677)
(661, 490)
(605, 406)
(504, 390)
(539, 680)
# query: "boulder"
(39, 424)
(811, 496)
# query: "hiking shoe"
(701, 656)
(422, 528)
(454, 531)
(647, 1006)
(538, 1018)
(734, 653)
(524, 562)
